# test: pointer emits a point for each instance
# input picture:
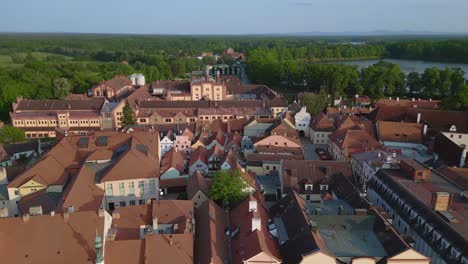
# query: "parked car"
(323, 154)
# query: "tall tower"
(98, 248)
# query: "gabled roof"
(197, 182)
(321, 122)
(291, 142)
(440, 120)
(296, 172)
(82, 193)
(353, 139)
(118, 82)
(400, 132)
(47, 200)
(130, 218)
(68, 241)
(199, 154)
(19, 147)
(249, 243)
(212, 242)
(173, 159)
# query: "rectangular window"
(132, 202)
(109, 190)
(121, 189)
(131, 188)
(168, 120)
(152, 186)
(141, 202)
(122, 204)
(141, 187)
(107, 115)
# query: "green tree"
(315, 103)
(9, 134)
(62, 88)
(413, 81)
(128, 116)
(228, 186)
(430, 80)
(457, 101)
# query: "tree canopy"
(128, 116)
(9, 134)
(228, 186)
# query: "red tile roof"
(400, 132)
(212, 241)
(68, 241)
(197, 182)
(249, 243)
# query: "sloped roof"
(248, 243)
(199, 154)
(173, 159)
(296, 172)
(82, 192)
(68, 241)
(212, 241)
(400, 132)
(197, 182)
(321, 122)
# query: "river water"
(408, 66)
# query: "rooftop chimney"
(115, 215)
(253, 206)
(441, 201)
(256, 223)
(66, 216)
(398, 99)
(25, 217)
(418, 118)
(52, 213)
(360, 211)
(155, 222)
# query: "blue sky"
(232, 17)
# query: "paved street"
(309, 149)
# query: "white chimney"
(390, 98)
(412, 99)
(256, 223)
(418, 119)
(463, 158)
(424, 129)
(253, 206)
(25, 217)
(155, 223)
(398, 99)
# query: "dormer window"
(323, 187)
(309, 187)
(453, 128)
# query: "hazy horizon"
(242, 17)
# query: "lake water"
(408, 66)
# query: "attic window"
(309, 187)
(323, 187)
(453, 128)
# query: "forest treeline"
(44, 66)
(277, 68)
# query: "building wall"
(318, 137)
(126, 196)
(58, 120)
(405, 228)
(198, 166)
(199, 198)
(318, 257)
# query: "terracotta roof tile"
(400, 132)
(212, 241)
